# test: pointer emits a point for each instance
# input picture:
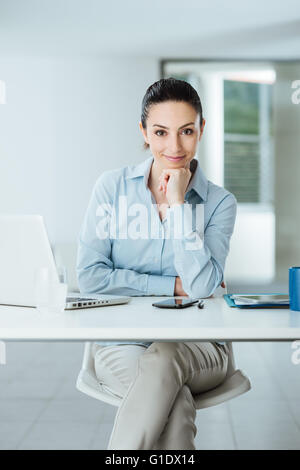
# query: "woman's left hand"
(173, 183)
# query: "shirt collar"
(198, 183)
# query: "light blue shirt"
(148, 266)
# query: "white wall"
(64, 122)
(27, 138)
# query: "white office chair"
(236, 382)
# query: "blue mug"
(294, 287)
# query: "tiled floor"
(40, 408)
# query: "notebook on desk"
(254, 300)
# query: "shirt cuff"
(160, 285)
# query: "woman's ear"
(144, 132)
(202, 128)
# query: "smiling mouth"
(174, 158)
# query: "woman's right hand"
(178, 290)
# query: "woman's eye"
(191, 132)
(156, 133)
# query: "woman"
(157, 380)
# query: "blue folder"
(231, 302)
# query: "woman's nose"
(174, 146)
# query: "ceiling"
(154, 28)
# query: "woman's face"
(173, 130)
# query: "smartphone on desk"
(176, 303)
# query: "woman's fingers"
(163, 182)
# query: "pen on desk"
(200, 304)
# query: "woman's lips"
(174, 159)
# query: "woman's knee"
(164, 353)
(163, 358)
(116, 366)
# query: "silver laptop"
(25, 247)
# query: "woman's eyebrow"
(188, 124)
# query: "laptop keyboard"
(78, 299)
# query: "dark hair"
(170, 89)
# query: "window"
(248, 142)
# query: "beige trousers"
(157, 385)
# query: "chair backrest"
(88, 359)
(231, 361)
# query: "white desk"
(138, 320)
